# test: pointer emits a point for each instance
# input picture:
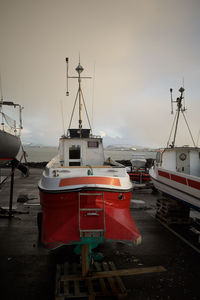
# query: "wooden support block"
(85, 259)
(103, 283)
(110, 279)
(114, 273)
(101, 280)
(118, 279)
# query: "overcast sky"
(134, 50)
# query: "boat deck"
(28, 270)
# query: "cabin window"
(74, 152)
(74, 163)
(93, 144)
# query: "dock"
(29, 270)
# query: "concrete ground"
(28, 270)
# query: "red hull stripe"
(164, 174)
(89, 180)
(178, 179)
(192, 183)
(6, 158)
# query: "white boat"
(176, 171)
(84, 199)
(138, 161)
(9, 132)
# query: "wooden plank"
(85, 259)
(66, 284)
(90, 289)
(118, 279)
(57, 287)
(113, 273)
(110, 279)
(101, 280)
(75, 282)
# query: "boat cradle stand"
(104, 281)
(9, 213)
(92, 280)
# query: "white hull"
(180, 186)
(63, 179)
(10, 145)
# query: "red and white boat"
(84, 200)
(176, 171)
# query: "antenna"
(184, 96)
(79, 69)
(67, 76)
(180, 109)
(1, 91)
(171, 90)
(93, 94)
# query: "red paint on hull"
(61, 217)
(139, 176)
(194, 184)
(164, 174)
(180, 179)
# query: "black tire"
(39, 224)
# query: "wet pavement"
(28, 270)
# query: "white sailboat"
(9, 131)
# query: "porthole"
(182, 156)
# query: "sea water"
(45, 153)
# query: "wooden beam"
(85, 259)
(113, 273)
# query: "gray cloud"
(140, 49)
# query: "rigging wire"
(188, 128)
(86, 110)
(198, 138)
(1, 90)
(73, 110)
(171, 130)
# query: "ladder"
(91, 212)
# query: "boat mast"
(1, 92)
(79, 69)
(180, 109)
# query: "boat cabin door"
(75, 155)
(183, 161)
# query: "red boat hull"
(60, 222)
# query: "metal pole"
(11, 192)
(173, 143)
(80, 120)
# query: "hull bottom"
(177, 194)
(63, 222)
(10, 145)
